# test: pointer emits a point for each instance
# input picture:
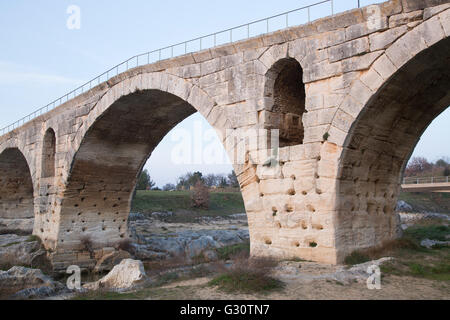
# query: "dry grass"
(126, 245)
(248, 275)
(87, 244)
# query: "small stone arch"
(16, 186)
(285, 87)
(48, 154)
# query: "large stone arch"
(383, 117)
(16, 185)
(111, 148)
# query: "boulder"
(141, 252)
(402, 206)
(162, 215)
(18, 226)
(198, 246)
(18, 250)
(135, 216)
(124, 276)
(429, 244)
(25, 283)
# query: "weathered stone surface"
(405, 18)
(17, 250)
(25, 283)
(124, 276)
(342, 92)
(379, 41)
(348, 49)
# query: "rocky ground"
(197, 244)
(153, 238)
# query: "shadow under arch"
(16, 186)
(379, 144)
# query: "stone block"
(382, 40)
(348, 49)
(405, 18)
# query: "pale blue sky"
(41, 59)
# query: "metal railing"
(426, 180)
(158, 55)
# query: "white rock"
(123, 276)
(429, 244)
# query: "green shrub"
(227, 252)
(356, 257)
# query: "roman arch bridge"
(349, 94)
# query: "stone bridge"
(350, 94)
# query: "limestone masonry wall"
(351, 94)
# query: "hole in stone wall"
(291, 192)
(274, 211)
(313, 244)
(268, 241)
(289, 208)
(304, 225)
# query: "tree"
(211, 180)
(223, 183)
(189, 180)
(233, 180)
(447, 171)
(169, 187)
(200, 196)
(442, 163)
(144, 181)
(417, 166)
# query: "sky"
(42, 59)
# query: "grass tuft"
(248, 276)
(227, 252)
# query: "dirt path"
(393, 287)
